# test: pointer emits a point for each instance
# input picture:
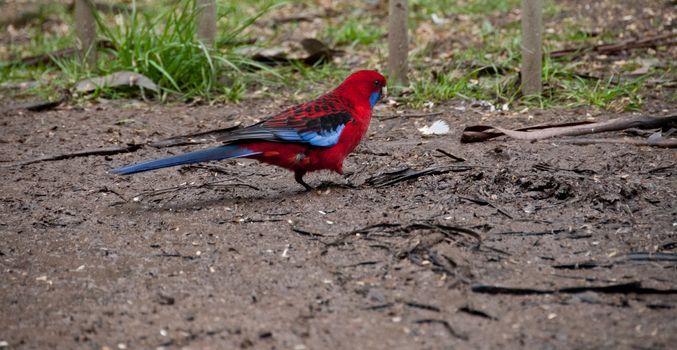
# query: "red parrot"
(311, 136)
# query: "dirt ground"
(582, 238)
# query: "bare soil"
(583, 238)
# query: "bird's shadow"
(180, 200)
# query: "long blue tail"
(217, 153)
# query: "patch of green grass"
(475, 7)
(354, 31)
(564, 87)
(489, 69)
(165, 48)
(439, 87)
(171, 57)
(233, 92)
(160, 43)
(480, 83)
(48, 31)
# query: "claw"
(298, 176)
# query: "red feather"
(353, 96)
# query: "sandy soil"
(587, 232)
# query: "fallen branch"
(636, 257)
(652, 41)
(664, 143)
(622, 288)
(191, 139)
(318, 52)
(661, 169)
(48, 58)
(478, 133)
(39, 106)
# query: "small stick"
(458, 159)
(84, 153)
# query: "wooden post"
(398, 42)
(532, 36)
(206, 18)
(85, 26)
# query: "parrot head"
(364, 86)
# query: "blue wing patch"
(323, 131)
(322, 138)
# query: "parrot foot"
(298, 176)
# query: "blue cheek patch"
(374, 98)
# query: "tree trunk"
(532, 29)
(398, 42)
(85, 26)
(206, 17)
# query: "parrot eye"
(377, 83)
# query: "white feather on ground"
(438, 127)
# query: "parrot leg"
(298, 176)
